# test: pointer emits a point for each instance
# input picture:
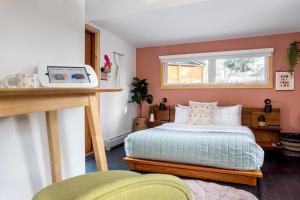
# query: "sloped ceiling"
(156, 22)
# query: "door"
(91, 58)
(90, 48)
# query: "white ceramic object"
(262, 124)
(151, 117)
(21, 81)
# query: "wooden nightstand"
(161, 117)
(268, 136)
(156, 123)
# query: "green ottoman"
(117, 185)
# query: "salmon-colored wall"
(148, 66)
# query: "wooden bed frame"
(195, 171)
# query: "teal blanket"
(221, 147)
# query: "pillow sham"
(181, 114)
(202, 113)
(228, 115)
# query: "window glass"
(241, 70)
(187, 72)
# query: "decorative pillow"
(202, 113)
(182, 114)
(228, 115)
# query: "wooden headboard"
(249, 116)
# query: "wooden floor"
(281, 178)
(281, 175)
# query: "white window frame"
(212, 57)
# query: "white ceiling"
(156, 22)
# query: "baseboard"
(110, 143)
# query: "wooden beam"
(96, 133)
(54, 145)
(12, 105)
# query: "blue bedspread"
(221, 147)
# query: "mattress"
(228, 147)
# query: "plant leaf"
(149, 98)
(140, 91)
(292, 56)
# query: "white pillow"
(228, 115)
(181, 114)
(202, 113)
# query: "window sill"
(217, 86)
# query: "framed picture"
(58, 74)
(67, 76)
(285, 81)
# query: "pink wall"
(148, 66)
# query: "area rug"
(210, 191)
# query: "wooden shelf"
(268, 145)
(267, 128)
(156, 123)
(45, 91)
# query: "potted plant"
(293, 54)
(139, 96)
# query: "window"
(235, 69)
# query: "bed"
(219, 153)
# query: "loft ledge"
(48, 91)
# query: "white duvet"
(229, 147)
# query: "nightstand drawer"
(162, 115)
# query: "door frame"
(91, 29)
(96, 32)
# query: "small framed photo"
(285, 81)
(62, 75)
(59, 74)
